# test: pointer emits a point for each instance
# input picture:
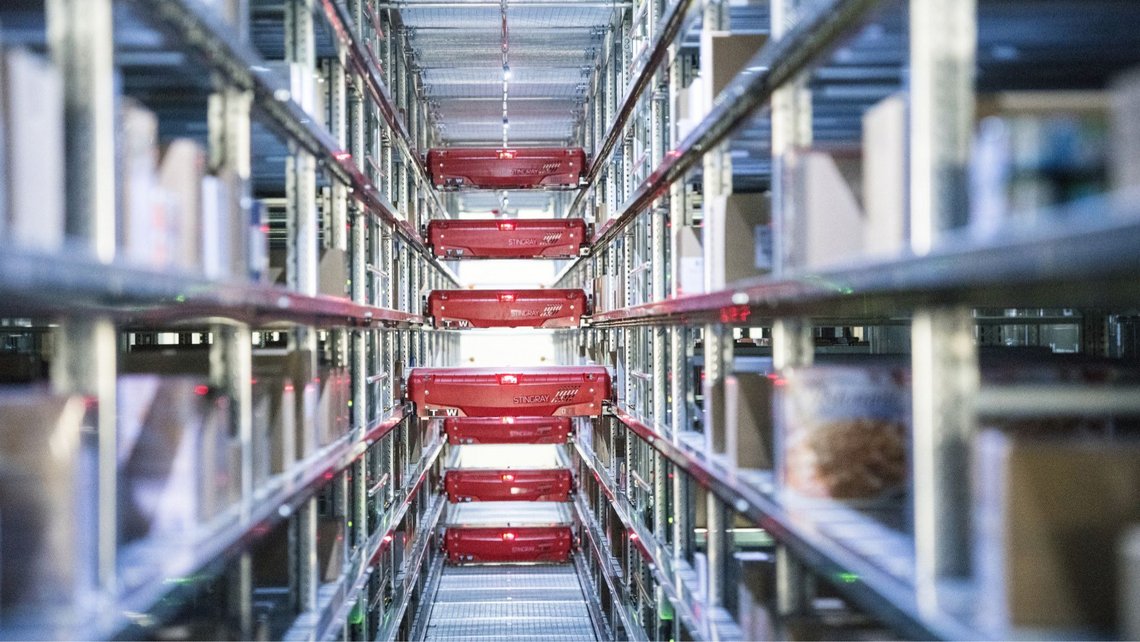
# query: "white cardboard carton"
(884, 176)
(832, 229)
(32, 93)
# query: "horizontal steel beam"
(514, 4)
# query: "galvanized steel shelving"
(354, 182)
(646, 183)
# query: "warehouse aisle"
(509, 602)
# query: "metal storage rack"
(663, 462)
(351, 180)
(669, 522)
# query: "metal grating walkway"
(475, 603)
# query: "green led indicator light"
(181, 298)
(847, 578)
(357, 614)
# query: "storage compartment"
(507, 239)
(176, 468)
(44, 495)
(1049, 515)
(887, 230)
(833, 225)
(546, 308)
(507, 430)
(562, 391)
(740, 226)
(844, 431)
(490, 168)
(748, 401)
(31, 152)
(1036, 150)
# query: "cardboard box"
(174, 456)
(274, 424)
(683, 121)
(32, 144)
(334, 273)
(884, 177)
(723, 55)
(748, 405)
(601, 441)
(293, 389)
(690, 262)
(142, 226)
(333, 411)
(45, 490)
(180, 173)
(217, 251)
(757, 595)
(742, 215)
(1047, 518)
(330, 548)
(1124, 141)
(832, 227)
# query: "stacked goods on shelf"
(178, 462)
(1049, 515)
(887, 230)
(722, 55)
(31, 152)
(1033, 151)
(843, 424)
(274, 422)
(150, 233)
(834, 225)
(46, 496)
(289, 401)
(174, 215)
(1053, 495)
(842, 431)
(747, 236)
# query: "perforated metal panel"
(509, 603)
(458, 50)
